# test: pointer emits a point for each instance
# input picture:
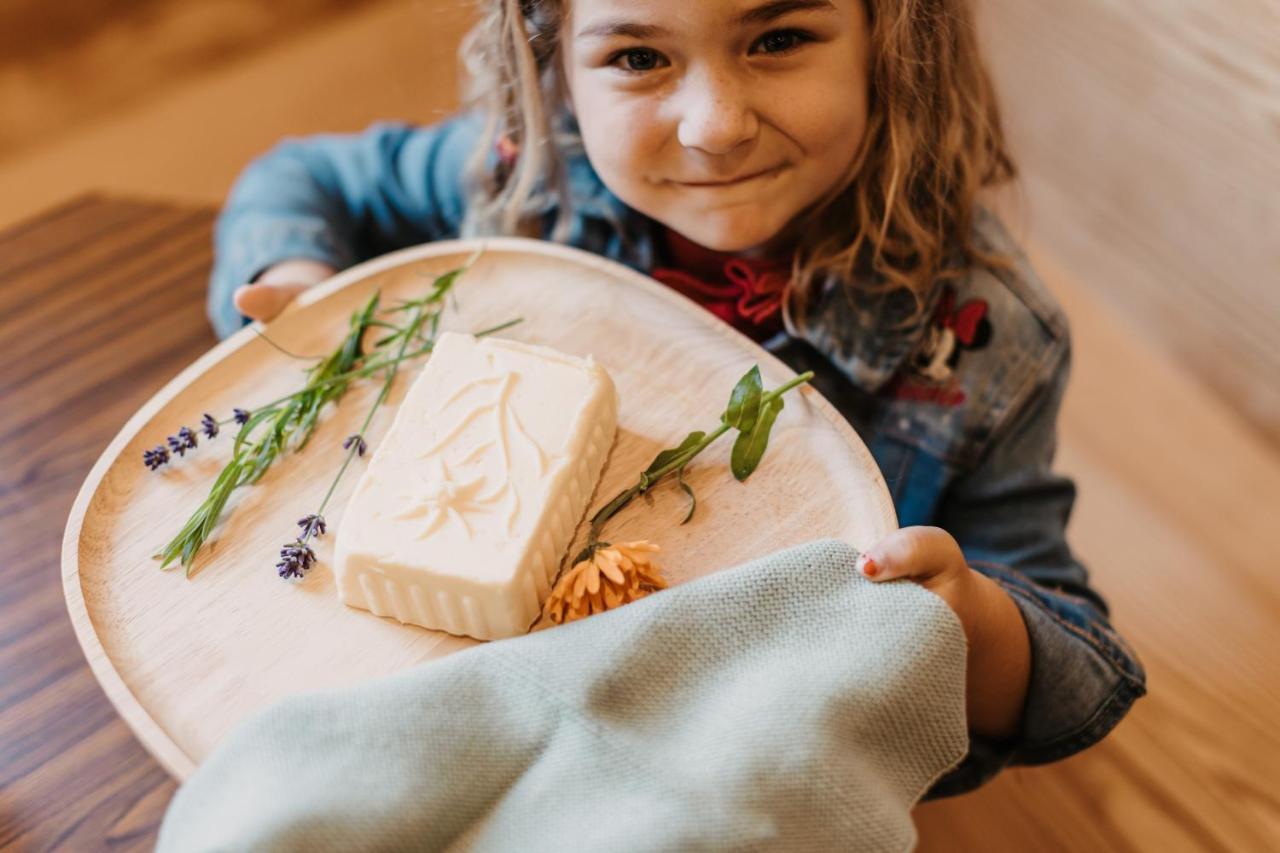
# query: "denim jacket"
(959, 408)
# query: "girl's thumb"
(265, 301)
(910, 552)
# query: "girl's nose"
(716, 116)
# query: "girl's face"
(721, 119)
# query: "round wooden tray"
(185, 659)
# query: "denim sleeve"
(340, 199)
(1009, 515)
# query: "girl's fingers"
(265, 301)
(911, 552)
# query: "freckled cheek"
(826, 123)
(624, 142)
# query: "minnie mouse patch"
(930, 375)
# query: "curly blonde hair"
(901, 218)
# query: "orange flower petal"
(612, 572)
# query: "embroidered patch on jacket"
(929, 376)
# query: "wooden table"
(102, 301)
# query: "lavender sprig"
(155, 457)
(184, 440)
(312, 525)
(290, 420)
(295, 559)
(290, 423)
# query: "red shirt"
(744, 292)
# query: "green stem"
(615, 506)
(765, 399)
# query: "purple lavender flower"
(209, 425)
(295, 559)
(242, 416)
(358, 441)
(156, 457)
(312, 525)
(183, 441)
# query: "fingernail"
(869, 567)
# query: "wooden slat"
(31, 244)
(103, 301)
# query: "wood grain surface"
(103, 299)
(184, 660)
(100, 302)
(1148, 134)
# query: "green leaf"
(693, 499)
(749, 448)
(188, 554)
(359, 322)
(744, 402)
(668, 456)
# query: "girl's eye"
(780, 41)
(637, 59)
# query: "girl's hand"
(999, 661)
(267, 296)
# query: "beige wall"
(1148, 132)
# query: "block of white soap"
(472, 497)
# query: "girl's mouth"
(729, 182)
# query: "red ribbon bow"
(757, 294)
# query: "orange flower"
(611, 577)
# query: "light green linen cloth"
(784, 704)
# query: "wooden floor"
(1176, 515)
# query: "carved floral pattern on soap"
(461, 494)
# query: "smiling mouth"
(730, 182)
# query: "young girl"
(809, 170)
